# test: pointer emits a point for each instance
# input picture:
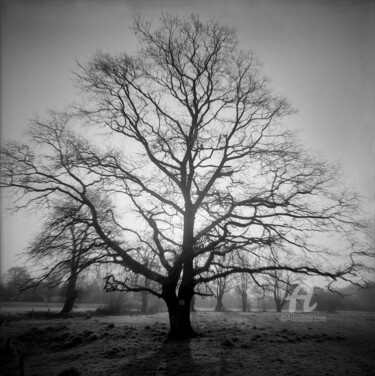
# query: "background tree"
(202, 160)
(259, 293)
(327, 300)
(66, 245)
(221, 286)
(15, 282)
(280, 284)
(241, 286)
(149, 258)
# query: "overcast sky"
(319, 53)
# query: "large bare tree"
(197, 156)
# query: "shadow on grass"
(172, 358)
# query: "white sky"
(319, 53)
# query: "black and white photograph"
(187, 187)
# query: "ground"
(228, 344)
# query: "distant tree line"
(90, 289)
(17, 285)
(346, 299)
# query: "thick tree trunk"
(278, 306)
(279, 301)
(179, 313)
(219, 303)
(179, 306)
(179, 320)
(71, 294)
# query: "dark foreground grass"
(227, 344)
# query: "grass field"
(228, 344)
(21, 307)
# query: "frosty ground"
(228, 344)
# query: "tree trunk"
(192, 304)
(71, 294)
(261, 304)
(179, 320)
(145, 297)
(144, 302)
(179, 306)
(179, 313)
(244, 302)
(278, 306)
(219, 303)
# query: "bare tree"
(259, 293)
(280, 285)
(241, 286)
(202, 160)
(221, 287)
(66, 245)
(149, 258)
(14, 282)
